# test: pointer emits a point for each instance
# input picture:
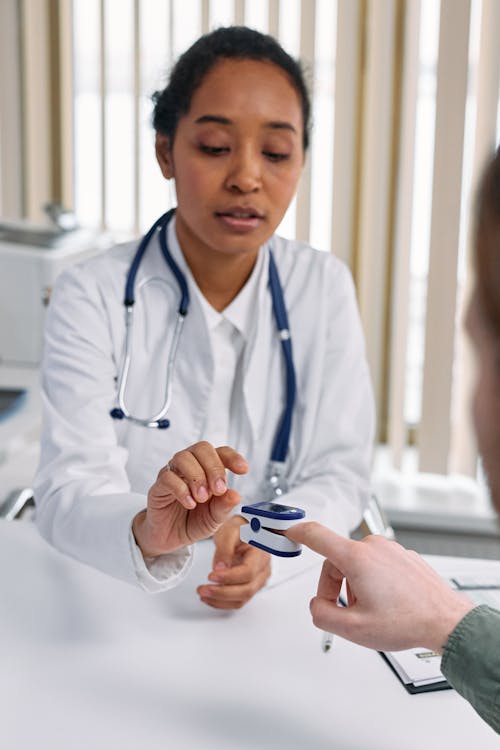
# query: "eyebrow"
(274, 124)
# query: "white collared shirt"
(229, 331)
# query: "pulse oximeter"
(265, 521)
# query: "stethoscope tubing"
(280, 448)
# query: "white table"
(87, 662)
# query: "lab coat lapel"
(261, 371)
(195, 367)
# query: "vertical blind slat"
(307, 35)
(347, 83)
(435, 427)
(274, 17)
(102, 99)
(375, 186)
(171, 30)
(65, 97)
(205, 15)
(402, 236)
(36, 88)
(239, 12)
(137, 102)
(11, 150)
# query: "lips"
(240, 219)
(241, 212)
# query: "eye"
(213, 150)
(275, 156)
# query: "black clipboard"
(415, 689)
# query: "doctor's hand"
(189, 500)
(395, 599)
(238, 570)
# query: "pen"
(326, 642)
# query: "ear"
(164, 155)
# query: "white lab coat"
(95, 472)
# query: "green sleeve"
(471, 662)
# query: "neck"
(219, 276)
(220, 280)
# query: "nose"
(244, 174)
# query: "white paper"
(417, 665)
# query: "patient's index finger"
(320, 539)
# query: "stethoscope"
(275, 473)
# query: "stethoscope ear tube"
(134, 267)
(121, 411)
(179, 276)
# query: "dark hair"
(487, 246)
(232, 42)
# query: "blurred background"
(406, 111)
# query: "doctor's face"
(236, 158)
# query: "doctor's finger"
(212, 466)
(255, 563)
(235, 593)
(226, 540)
(220, 508)
(167, 489)
(232, 460)
(186, 466)
(219, 604)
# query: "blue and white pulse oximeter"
(265, 521)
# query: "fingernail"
(191, 502)
(206, 592)
(220, 565)
(214, 578)
(202, 493)
(220, 485)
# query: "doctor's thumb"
(226, 541)
(221, 507)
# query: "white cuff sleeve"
(161, 573)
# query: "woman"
(396, 600)
(232, 130)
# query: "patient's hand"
(396, 600)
